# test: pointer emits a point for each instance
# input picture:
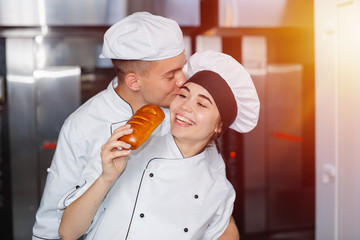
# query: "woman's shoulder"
(214, 158)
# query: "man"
(147, 52)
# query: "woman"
(169, 188)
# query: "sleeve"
(91, 172)
(221, 218)
(70, 157)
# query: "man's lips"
(183, 120)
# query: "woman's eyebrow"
(186, 88)
(200, 95)
(205, 97)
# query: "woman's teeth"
(184, 120)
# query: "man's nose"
(180, 80)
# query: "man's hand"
(231, 232)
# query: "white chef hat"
(230, 85)
(143, 36)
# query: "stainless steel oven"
(47, 78)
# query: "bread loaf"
(143, 123)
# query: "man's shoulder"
(86, 112)
(92, 106)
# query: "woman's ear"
(218, 128)
(132, 81)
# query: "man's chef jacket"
(161, 195)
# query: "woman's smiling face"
(194, 115)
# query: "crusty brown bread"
(143, 122)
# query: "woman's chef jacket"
(161, 195)
(80, 139)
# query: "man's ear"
(132, 81)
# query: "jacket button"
(196, 196)
(186, 229)
(151, 174)
(142, 215)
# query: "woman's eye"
(202, 105)
(182, 95)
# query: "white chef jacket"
(81, 136)
(80, 139)
(161, 195)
